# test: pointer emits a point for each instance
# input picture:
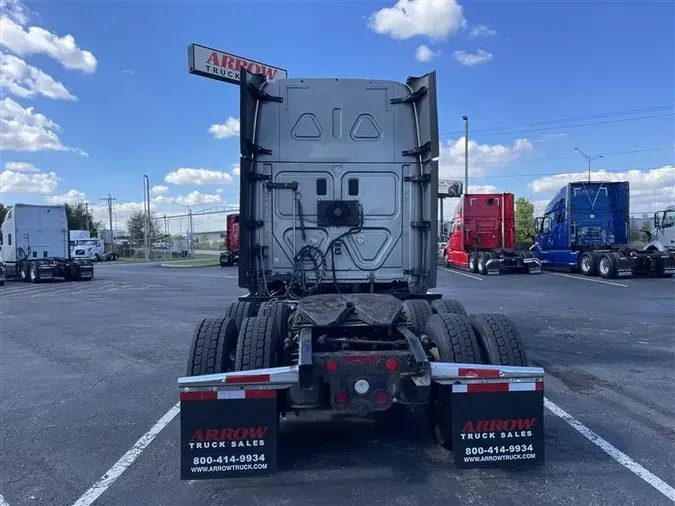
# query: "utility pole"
(146, 212)
(466, 153)
(109, 199)
(86, 216)
(589, 159)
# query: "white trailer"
(35, 245)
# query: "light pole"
(589, 159)
(466, 153)
(146, 210)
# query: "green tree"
(136, 225)
(81, 218)
(524, 223)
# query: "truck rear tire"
(239, 310)
(444, 306)
(454, 341)
(34, 273)
(279, 312)
(482, 263)
(473, 262)
(588, 264)
(417, 312)
(607, 266)
(499, 340)
(214, 341)
(256, 344)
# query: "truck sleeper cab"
(483, 237)
(585, 228)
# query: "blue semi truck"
(585, 228)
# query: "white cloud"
(70, 197)
(32, 182)
(425, 54)
(14, 10)
(228, 129)
(219, 191)
(649, 190)
(128, 72)
(26, 130)
(198, 177)
(470, 59)
(552, 136)
(36, 40)
(26, 81)
(196, 198)
(159, 190)
(236, 170)
(482, 31)
(451, 160)
(21, 167)
(435, 19)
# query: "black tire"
(34, 273)
(256, 344)
(473, 262)
(607, 266)
(279, 312)
(588, 264)
(214, 342)
(239, 310)
(443, 306)
(481, 263)
(23, 272)
(499, 340)
(417, 312)
(455, 341)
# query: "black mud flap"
(228, 437)
(497, 429)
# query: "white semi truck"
(35, 245)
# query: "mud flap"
(492, 428)
(532, 265)
(228, 434)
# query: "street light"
(589, 159)
(466, 153)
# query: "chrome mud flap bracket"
(532, 265)
(493, 266)
(497, 413)
(229, 423)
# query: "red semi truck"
(231, 254)
(483, 237)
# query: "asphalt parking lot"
(86, 369)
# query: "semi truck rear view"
(35, 245)
(338, 207)
(231, 254)
(483, 237)
(585, 228)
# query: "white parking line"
(588, 279)
(3, 502)
(613, 452)
(461, 273)
(126, 460)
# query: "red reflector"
(479, 373)
(251, 378)
(361, 359)
(199, 396)
(342, 398)
(488, 387)
(539, 385)
(331, 366)
(381, 397)
(261, 394)
(391, 364)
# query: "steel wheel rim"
(472, 262)
(604, 265)
(481, 263)
(586, 263)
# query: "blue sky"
(138, 111)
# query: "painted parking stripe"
(461, 273)
(3, 502)
(613, 452)
(126, 460)
(588, 279)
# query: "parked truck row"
(35, 245)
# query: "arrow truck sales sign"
(208, 62)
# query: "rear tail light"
(331, 366)
(381, 397)
(342, 398)
(391, 364)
